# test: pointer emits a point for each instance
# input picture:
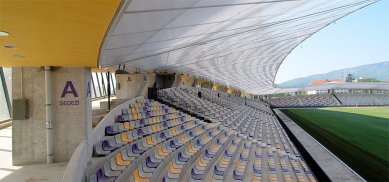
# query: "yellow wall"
(54, 32)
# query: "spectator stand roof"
(238, 43)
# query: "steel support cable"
(236, 62)
(231, 80)
(247, 76)
(219, 56)
(204, 7)
(255, 41)
(206, 30)
(257, 35)
(230, 73)
(241, 77)
(261, 64)
(192, 25)
(199, 35)
(291, 38)
(229, 53)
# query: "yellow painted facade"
(54, 32)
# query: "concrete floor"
(27, 173)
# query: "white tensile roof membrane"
(239, 43)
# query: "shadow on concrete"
(27, 173)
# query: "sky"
(357, 39)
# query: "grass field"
(358, 136)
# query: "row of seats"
(330, 100)
(260, 128)
(382, 99)
(318, 100)
(130, 137)
(150, 141)
(363, 99)
(181, 160)
(231, 100)
(188, 100)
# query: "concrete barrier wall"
(130, 86)
(150, 83)
(177, 80)
(72, 121)
(76, 168)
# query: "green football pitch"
(358, 136)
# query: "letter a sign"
(69, 89)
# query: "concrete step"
(96, 119)
(96, 112)
(114, 103)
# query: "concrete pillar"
(130, 86)
(234, 91)
(185, 81)
(177, 80)
(150, 82)
(72, 113)
(220, 87)
(206, 84)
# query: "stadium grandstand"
(330, 94)
(175, 90)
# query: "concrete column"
(207, 85)
(185, 81)
(150, 82)
(177, 80)
(234, 91)
(72, 113)
(130, 86)
(220, 87)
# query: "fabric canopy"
(238, 43)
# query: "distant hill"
(379, 71)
